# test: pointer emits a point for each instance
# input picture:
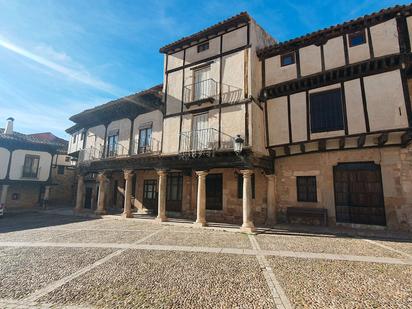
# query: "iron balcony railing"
(116, 150)
(205, 140)
(208, 91)
(202, 91)
(152, 147)
(90, 154)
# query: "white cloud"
(79, 75)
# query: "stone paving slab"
(343, 284)
(24, 270)
(143, 279)
(31, 235)
(323, 244)
(201, 238)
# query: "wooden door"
(174, 191)
(88, 198)
(200, 131)
(214, 191)
(359, 194)
(150, 194)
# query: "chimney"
(9, 126)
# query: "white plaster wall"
(275, 73)
(298, 116)
(171, 128)
(385, 101)
(360, 52)
(233, 120)
(17, 162)
(278, 121)
(213, 118)
(124, 126)
(233, 77)
(4, 162)
(174, 92)
(310, 60)
(187, 123)
(78, 144)
(234, 39)
(192, 55)
(175, 60)
(334, 53)
(354, 107)
(95, 137)
(156, 119)
(258, 129)
(60, 159)
(385, 38)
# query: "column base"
(100, 212)
(127, 215)
(248, 228)
(78, 210)
(200, 224)
(160, 219)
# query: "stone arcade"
(324, 122)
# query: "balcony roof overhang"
(127, 107)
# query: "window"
(240, 186)
(112, 145)
(306, 188)
(74, 138)
(31, 166)
(82, 136)
(60, 169)
(326, 111)
(287, 59)
(203, 87)
(145, 140)
(174, 187)
(202, 47)
(149, 189)
(67, 159)
(357, 38)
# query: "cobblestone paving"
(342, 284)
(51, 261)
(196, 237)
(323, 244)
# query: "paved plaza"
(54, 261)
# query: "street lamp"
(238, 144)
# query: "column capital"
(161, 172)
(128, 174)
(202, 173)
(247, 173)
(271, 177)
(102, 176)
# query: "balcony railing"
(25, 173)
(116, 150)
(90, 154)
(204, 141)
(208, 91)
(200, 92)
(151, 148)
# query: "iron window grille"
(287, 59)
(306, 188)
(202, 47)
(326, 111)
(357, 38)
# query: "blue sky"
(60, 57)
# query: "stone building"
(35, 169)
(245, 129)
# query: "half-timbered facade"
(245, 129)
(35, 169)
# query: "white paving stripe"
(279, 296)
(55, 285)
(388, 248)
(220, 250)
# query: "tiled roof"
(384, 13)
(242, 17)
(36, 139)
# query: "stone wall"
(396, 167)
(28, 195)
(63, 192)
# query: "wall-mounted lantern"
(238, 144)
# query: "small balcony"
(151, 147)
(201, 92)
(204, 141)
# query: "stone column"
(247, 226)
(161, 213)
(80, 193)
(3, 197)
(46, 196)
(101, 199)
(201, 199)
(271, 200)
(128, 178)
